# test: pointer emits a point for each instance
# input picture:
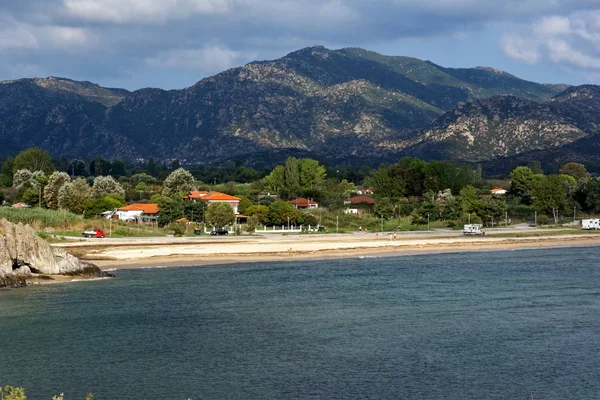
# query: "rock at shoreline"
(22, 253)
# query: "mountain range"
(349, 105)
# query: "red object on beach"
(97, 232)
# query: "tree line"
(421, 190)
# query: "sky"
(172, 44)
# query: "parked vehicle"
(589, 224)
(473, 230)
(220, 231)
(97, 233)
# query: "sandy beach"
(112, 254)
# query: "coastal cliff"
(23, 254)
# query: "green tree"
(55, 182)
(576, 170)
(383, 208)
(179, 181)
(220, 214)
(311, 173)
(384, 184)
(143, 177)
(118, 168)
(6, 173)
(141, 188)
(591, 195)
(333, 193)
(261, 212)
(195, 210)
(252, 224)
(279, 211)
(95, 207)
(550, 195)
(522, 183)
(171, 209)
(74, 195)
(468, 199)
(106, 186)
(274, 182)
(34, 159)
(244, 204)
(536, 167)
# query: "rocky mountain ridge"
(337, 104)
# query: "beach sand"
(152, 252)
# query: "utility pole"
(427, 221)
(382, 224)
(535, 218)
(288, 223)
(574, 215)
(337, 224)
(469, 218)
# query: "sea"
(481, 325)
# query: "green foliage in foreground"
(18, 393)
(40, 218)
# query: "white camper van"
(473, 229)
(589, 224)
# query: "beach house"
(214, 197)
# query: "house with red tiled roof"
(359, 200)
(133, 212)
(214, 197)
(302, 203)
(498, 191)
(358, 204)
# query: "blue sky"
(174, 43)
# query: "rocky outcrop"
(23, 253)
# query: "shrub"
(543, 220)
(178, 228)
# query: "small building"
(302, 203)
(214, 197)
(359, 200)
(358, 204)
(498, 191)
(139, 211)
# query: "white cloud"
(145, 11)
(207, 60)
(14, 35)
(520, 49)
(568, 41)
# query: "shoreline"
(159, 256)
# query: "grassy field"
(40, 218)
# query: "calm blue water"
(494, 325)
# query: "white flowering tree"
(73, 195)
(55, 182)
(105, 186)
(26, 178)
(179, 181)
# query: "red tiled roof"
(208, 196)
(361, 199)
(144, 208)
(302, 202)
